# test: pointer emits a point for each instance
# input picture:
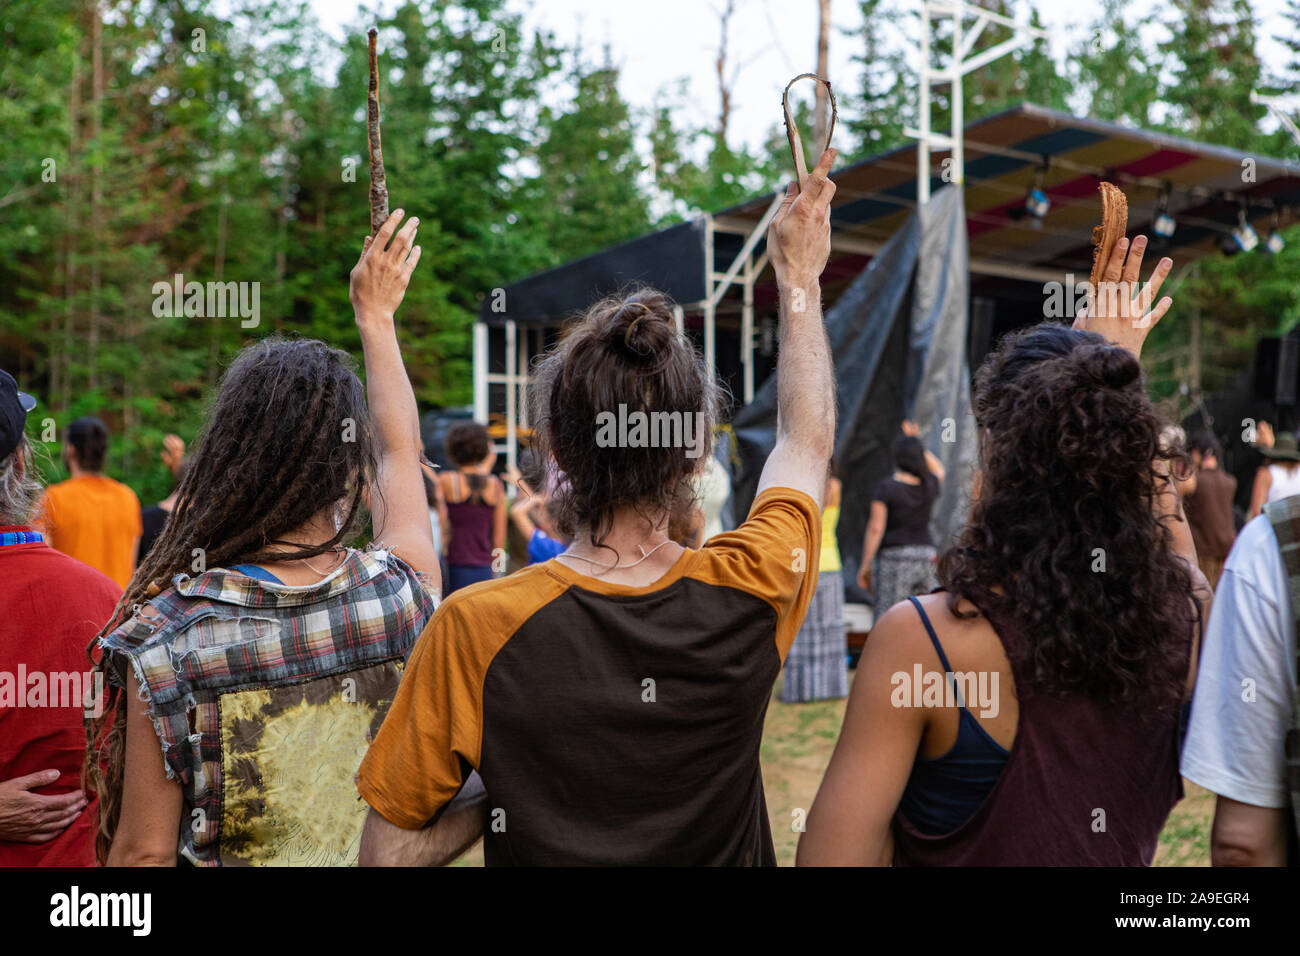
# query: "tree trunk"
(823, 70)
(96, 185)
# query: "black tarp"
(671, 260)
(898, 340)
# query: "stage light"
(1244, 236)
(1037, 203)
(1274, 243)
(1163, 225)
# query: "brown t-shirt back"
(1209, 513)
(609, 724)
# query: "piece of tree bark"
(1114, 221)
(378, 184)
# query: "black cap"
(14, 406)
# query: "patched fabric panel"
(289, 762)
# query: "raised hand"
(1118, 309)
(173, 452)
(799, 238)
(380, 277)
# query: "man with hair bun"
(612, 698)
(92, 517)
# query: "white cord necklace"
(616, 566)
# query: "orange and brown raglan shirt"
(609, 724)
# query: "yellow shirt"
(96, 520)
(830, 560)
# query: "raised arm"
(1126, 319)
(398, 504)
(799, 242)
(876, 524)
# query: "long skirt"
(901, 572)
(817, 666)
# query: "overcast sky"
(656, 42)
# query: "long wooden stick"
(378, 184)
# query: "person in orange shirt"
(90, 516)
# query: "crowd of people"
(1028, 694)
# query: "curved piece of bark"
(792, 128)
(1114, 222)
(378, 184)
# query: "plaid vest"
(265, 698)
(1284, 516)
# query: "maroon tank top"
(1085, 784)
(471, 530)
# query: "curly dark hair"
(287, 436)
(1070, 464)
(625, 350)
(467, 443)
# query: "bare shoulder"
(899, 634)
(966, 635)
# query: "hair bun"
(639, 329)
(1108, 365)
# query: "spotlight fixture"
(1274, 243)
(1163, 225)
(1244, 236)
(1036, 202)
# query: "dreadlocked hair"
(287, 436)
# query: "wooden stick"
(792, 128)
(378, 184)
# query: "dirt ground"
(797, 744)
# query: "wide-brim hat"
(1285, 448)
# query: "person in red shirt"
(53, 606)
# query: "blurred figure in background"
(90, 516)
(898, 529)
(1173, 445)
(712, 489)
(154, 517)
(52, 607)
(476, 506)
(437, 512)
(817, 667)
(534, 517)
(1209, 507)
(1280, 477)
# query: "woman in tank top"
(476, 507)
(1031, 715)
(1279, 476)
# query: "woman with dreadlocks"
(252, 644)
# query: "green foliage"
(224, 140)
